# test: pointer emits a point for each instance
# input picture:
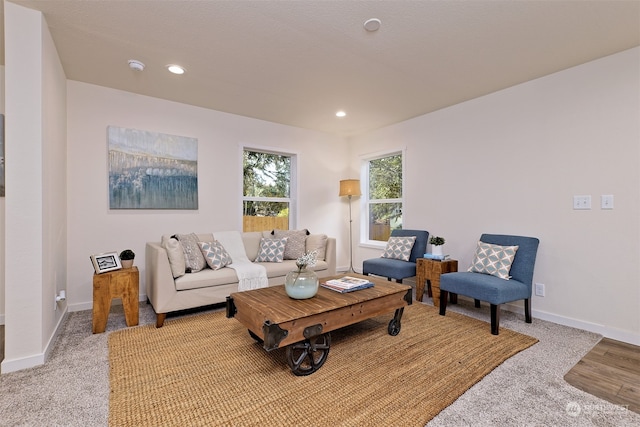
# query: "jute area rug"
(206, 370)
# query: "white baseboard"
(12, 365)
(81, 306)
(606, 331)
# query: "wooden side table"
(429, 270)
(123, 284)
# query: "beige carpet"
(206, 370)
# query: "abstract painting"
(149, 170)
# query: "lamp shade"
(350, 187)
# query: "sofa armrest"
(159, 278)
(330, 255)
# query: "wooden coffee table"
(304, 326)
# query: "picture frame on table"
(108, 261)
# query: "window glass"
(384, 196)
(266, 192)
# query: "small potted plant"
(126, 257)
(436, 244)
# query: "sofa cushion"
(206, 278)
(215, 254)
(491, 259)
(280, 269)
(251, 241)
(295, 246)
(399, 247)
(194, 260)
(271, 250)
(318, 243)
(175, 253)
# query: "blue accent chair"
(394, 268)
(491, 289)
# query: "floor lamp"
(350, 188)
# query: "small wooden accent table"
(304, 326)
(115, 284)
(430, 270)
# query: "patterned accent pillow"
(194, 261)
(175, 253)
(271, 250)
(493, 259)
(295, 246)
(399, 247)
(215, 254)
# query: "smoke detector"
(136, 65)
(372, 24)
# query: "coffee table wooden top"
(259, 308)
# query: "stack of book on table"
(347, 284)
(436, 257)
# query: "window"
(266, 193)
(383, 197)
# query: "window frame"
(293, 183)
(365, 200)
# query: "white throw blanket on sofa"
(250, 275)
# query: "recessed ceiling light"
(175, 69)
(372, 24)
(136, 65)
(341, 114)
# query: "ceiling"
(298, 62)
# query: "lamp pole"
(351, 270)
(350, 188)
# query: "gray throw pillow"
(399, 247)
(271, 250)
(194, 260)
(296, 239)
(215, 254)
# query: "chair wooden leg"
(527, 310)
(388, 279)
(443, 302)
(398, 280)
(495, 319)
(477, 301)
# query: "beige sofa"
(208, 286)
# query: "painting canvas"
(1, 155)
(149, 170)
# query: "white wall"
(94, 228)
(2, 212)
(510, 162)
(35, 215)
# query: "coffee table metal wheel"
(306, 357)
(394, 327)
(394, 324)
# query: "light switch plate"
(606, 201)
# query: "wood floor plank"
(611, 371)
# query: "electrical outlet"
(540, 289)
(582, 202)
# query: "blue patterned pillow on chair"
(495, 260)
(399, 247)
(271, 250)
